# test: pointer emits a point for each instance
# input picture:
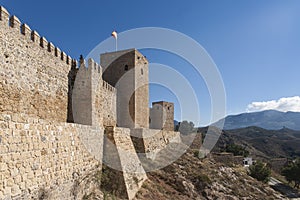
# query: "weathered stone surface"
(151, 141)
(94, 100)
(53, 154)
(127, 71)
(121, 157)
(32, 80)
(162, 116)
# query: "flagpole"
(116, 44)
(115, 35)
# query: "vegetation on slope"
(292, 173)
(261, 171)
(192, 178)
(262, 143)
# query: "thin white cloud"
(283, 104)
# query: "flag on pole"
(114, 34)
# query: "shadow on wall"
(71, 80)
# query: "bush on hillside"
(292, 173)
(261, 171)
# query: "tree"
(292, 173)
(186, 127)
(237, 150)
(261, 171)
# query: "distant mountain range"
(269, 119)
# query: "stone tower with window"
(162, 116)
(128, 72)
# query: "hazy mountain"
(176, 123)
(269, 119)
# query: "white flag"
(114, 34)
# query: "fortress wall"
(109, 104)
(36, 155)
(162, 115)
(33, 72)
(96, 90)
(151, 141)
(227, 158)
(93, 100)
(118, 71)
(141, 93)
(86, 95)
(120, 154)
(127, 71)
(81, 96)
(157, 117)
(278, 163)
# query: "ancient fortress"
(60, 120)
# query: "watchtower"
(128, 72)
(162, 116)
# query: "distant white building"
(248, 161)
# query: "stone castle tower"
(128, 72)
(162, 115)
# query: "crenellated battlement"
(94, 66)
(107, 86)
(41, 68)
(13, 22)
(4, 15)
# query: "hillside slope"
(192, 178)
(264, 143)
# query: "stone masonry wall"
(278, 163)
(227, 158)
(86, 95)
(118, 71)
(93, 100)
(108, 104)
(141, 93)
(33, 72)
(36, 155)
(162, 116)
(151, 141)
(127, 71)
(121, 157)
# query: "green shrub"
(260, 171)
(196, 153)
(237, 150)
(292, 173)
(200, 181)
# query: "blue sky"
(255, 44)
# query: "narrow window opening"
(126, 67)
